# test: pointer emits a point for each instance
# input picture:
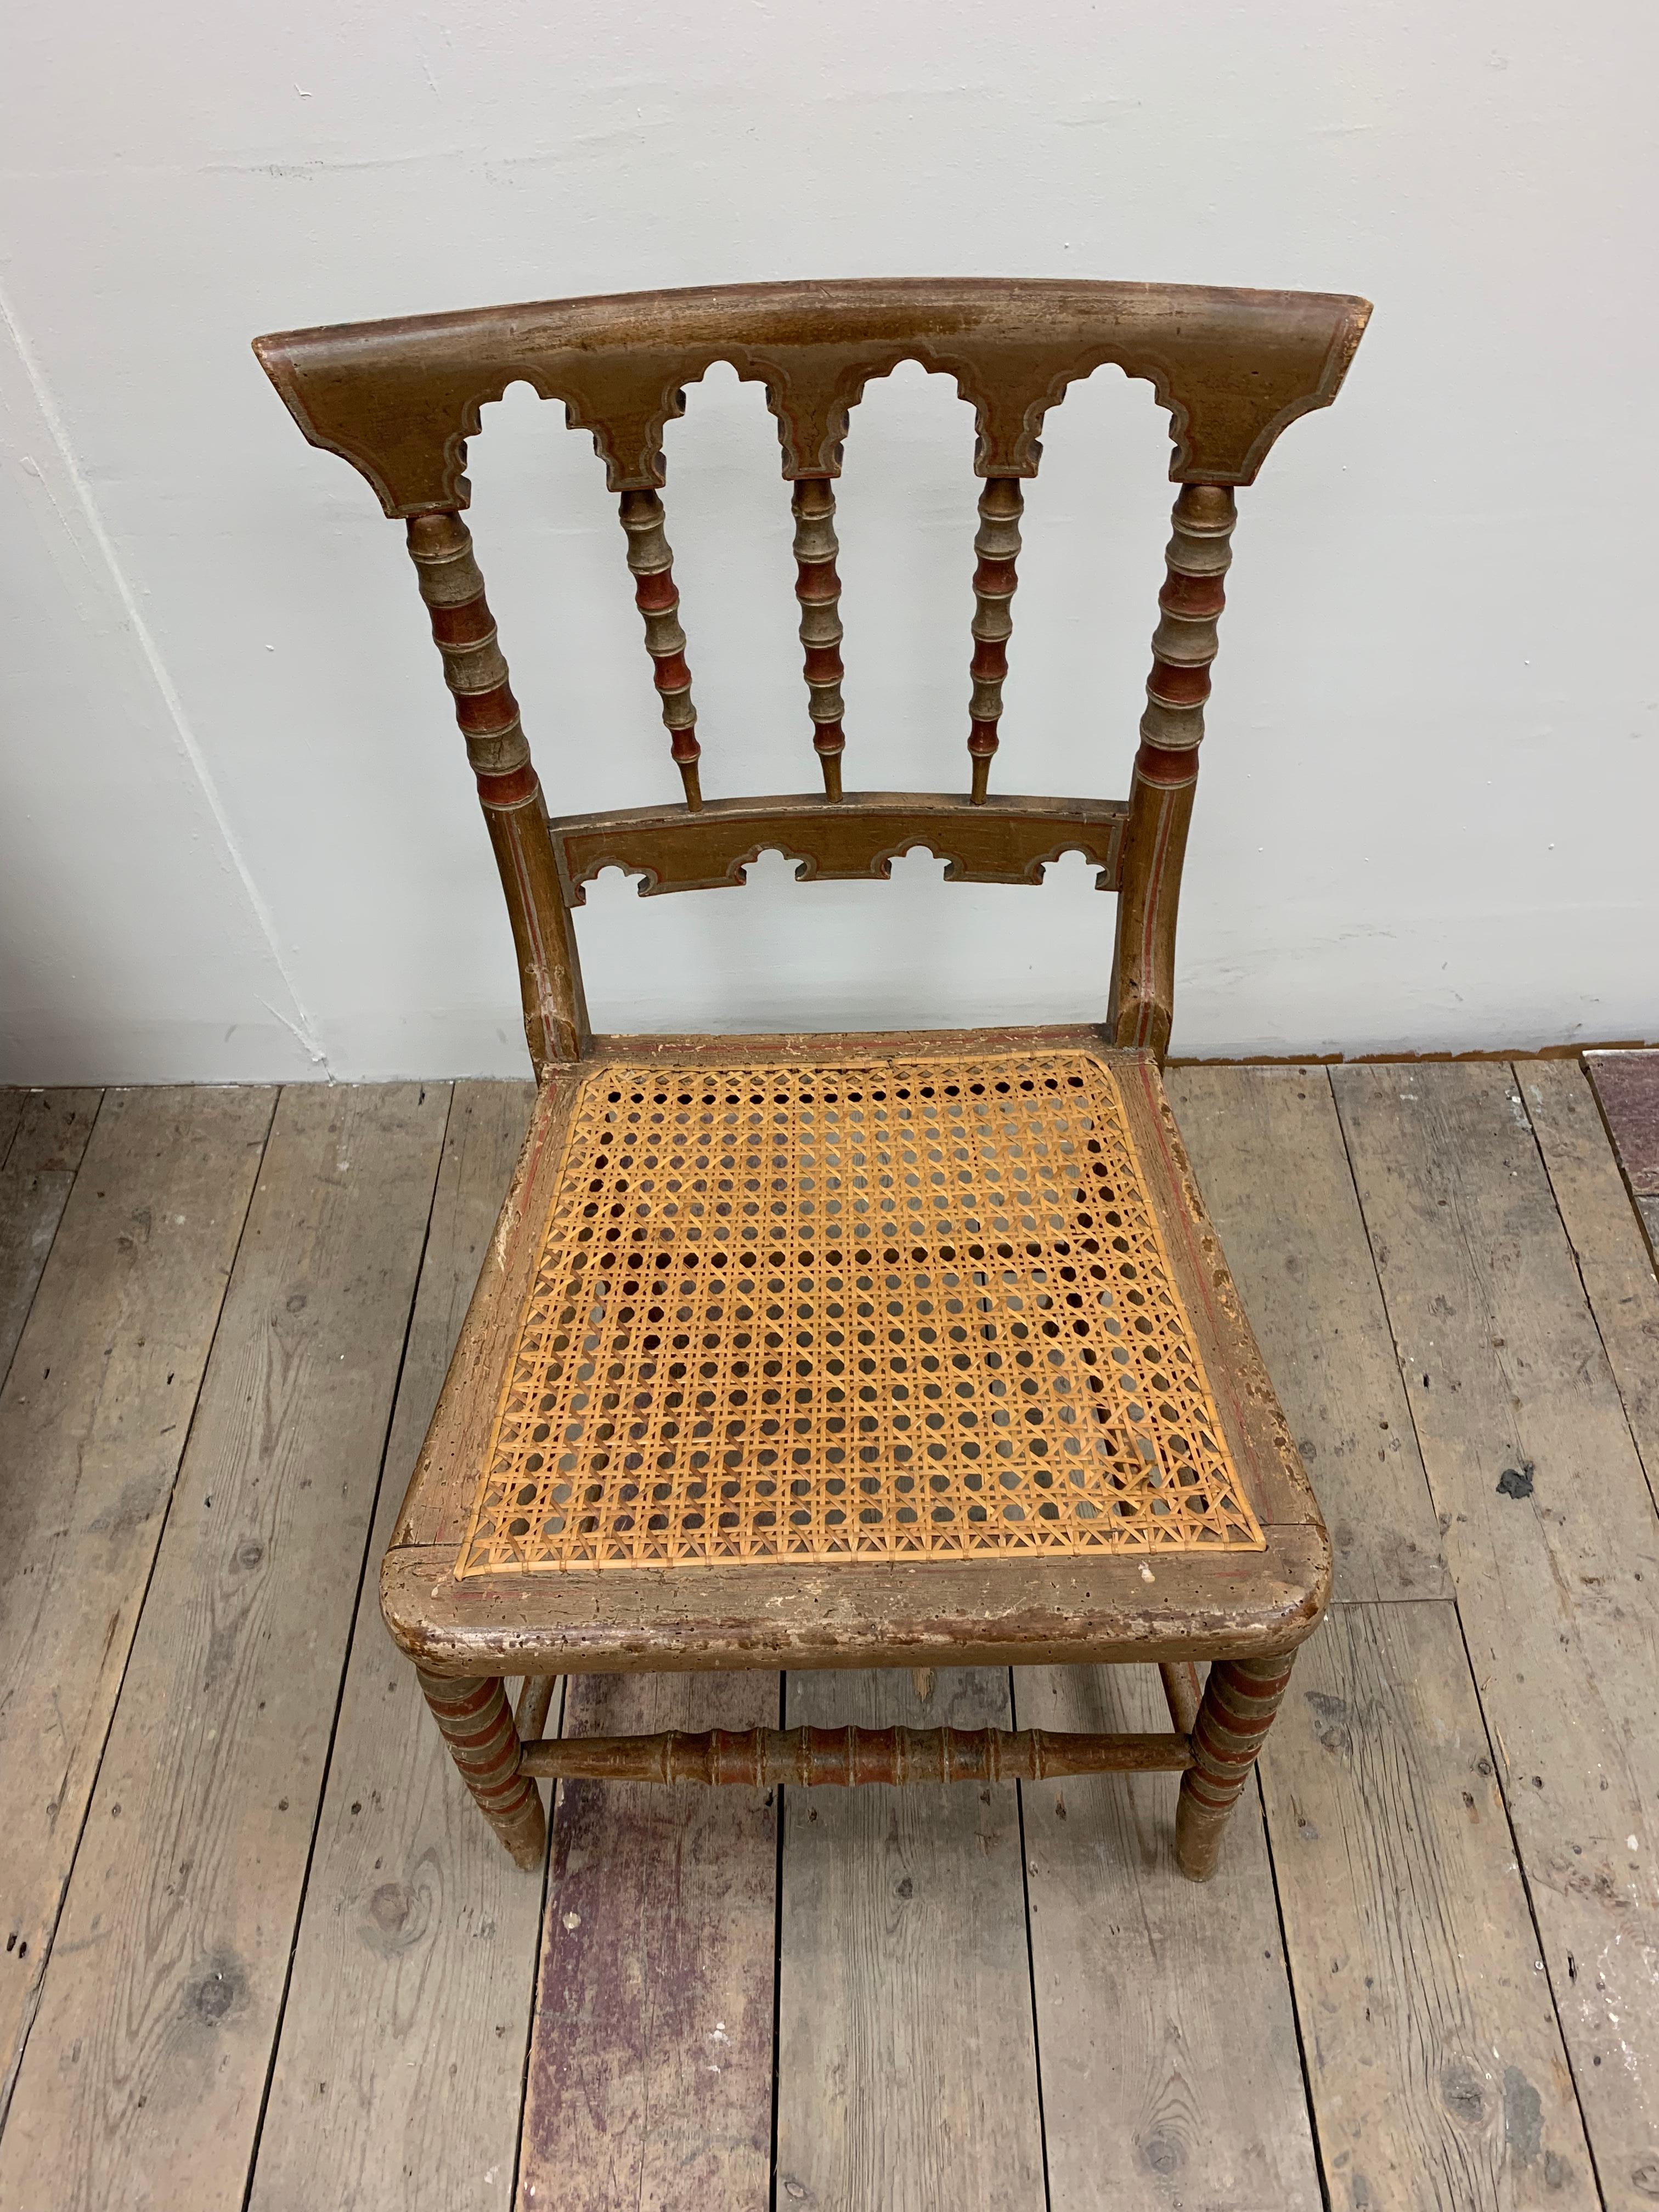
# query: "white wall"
(239, 837)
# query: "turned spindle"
(997, 544)
(475, 1722)
(1166, 765)
(656, 596)
(554, 1014)
(848, 1758)
(818, 588)
(1239, 1700)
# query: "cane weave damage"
(916, 1308)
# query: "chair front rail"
(818, 588)
(997, 545)
(651, 559)
(814, 1758)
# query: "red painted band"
(990, 658)
(1197, 596)
(823, 664)
(817, 582)
(1167, 766)
(1173, 685)
(518, 786)
(655, 594)
(672, 674)
(486, 714)
(995, 579)
(470, 624)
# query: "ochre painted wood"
(1182, 1686)
(399, 399)
(997, 544)
(1153, 2093)
(92, 1420)
(650, 2076)
(817, 588)
(1437, 2070)
(554, 1011)
(1304, 1268)
(407, 2018)
(907, 2062)
(42, 1151)
(848, 1758)
(1166, 767)
(147, 2064)
(941, 1613)
(1241, 1697)
(851, 839)
(475, 1722)
(1552, 1541)
(656, 596)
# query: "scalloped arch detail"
(400, 399)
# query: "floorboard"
(1434, 2055)
(1627, 1086)
(1614, 1263)
(1426, 1977)
(906, 2065)
(650, 2083)
(92, 1420)
(12, 1098)
(146, 2068)
(46, 1143)
(1554, 1545)
(1150, 2096)
(1267, 1149)
(398, 2071)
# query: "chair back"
(398, 400)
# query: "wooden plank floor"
(260, 1954)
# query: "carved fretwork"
(400, 399)
(997, 544)
(652, 562)
(818, 588)
(1006, 841)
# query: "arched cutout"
(1095, 520)
(905, 517)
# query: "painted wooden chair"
(875, 1350)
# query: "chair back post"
(515, 814)
(1166, 767)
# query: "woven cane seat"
(914, 1307)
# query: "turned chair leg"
(477, 1725)
(1239, 1702)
